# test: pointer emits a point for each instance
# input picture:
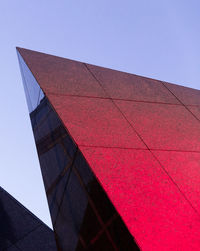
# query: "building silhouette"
(119, 154)
(20, 229)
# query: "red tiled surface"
(186, 95)
(60, 75)
(94, 121)
(155, 211)
(162, 126)
(152, 207)
(121, 85)
(195, 110)
(184, 168)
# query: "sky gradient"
(157, 39)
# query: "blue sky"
(157, 39)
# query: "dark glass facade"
(20, 229)
(82, 215)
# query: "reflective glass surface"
(33, 92)
(56, 192)
(81, 212)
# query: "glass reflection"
(33, 92)
(83, 216)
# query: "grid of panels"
(171, 134)
(82, 215)
(80, 209)
(174, 129)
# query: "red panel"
(123, 85)
(184, 168)
(60, 75)
(95, 121)
(151, 205)
(195, 110)
(162, 126)
(153, 209)
(186, 95)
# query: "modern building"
(119, 154)
(20, 229)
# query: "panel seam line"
(162, 167)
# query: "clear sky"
(154, 38)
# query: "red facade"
(141, 138)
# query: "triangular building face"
(119, 154)
(20, 229)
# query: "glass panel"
(103, 243)
(55, 148)
(79, 207)
(53, 162)
(44, 120)
(34, 94)
(55, 195)
(90, 226)
(79, 247)
(99, 198)
(13, 248)
(71, 214)
(121, 236)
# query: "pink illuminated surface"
(153, 209)
(156, 192)
(184, 168)
(163, 126)
(89, 122)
